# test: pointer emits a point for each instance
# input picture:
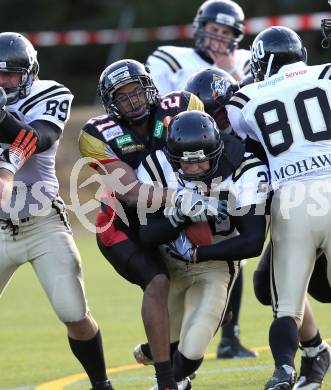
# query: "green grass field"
(34, 348)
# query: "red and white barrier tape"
(166, 33)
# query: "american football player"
(315, 355)
(135, 124)
(296, 138)
(197, 155)
(34, 223)
(215, 87)
(218, 29)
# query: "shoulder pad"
(178, 101)
(326, 72)
(104, 126)
(239, 100)
(171, 55)
(233, 153)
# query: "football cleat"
(283, 378)
(313, 368)
(185, 384)
(106, 385)
(140, 357)
(230, 348)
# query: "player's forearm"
(248, 244)
(159, 231)
(46, 132)
(236, 248)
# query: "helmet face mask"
(193, 137)
(273, 48)
(120, 74)
(222, 13)
(17, 55)
(130, 101)
(214, 87)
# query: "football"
(199, 233)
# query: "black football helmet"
(214, 87)
(225, 12)
(116, 76)
(274, 47)
(193, 137)
(326, 32)
(18, 55)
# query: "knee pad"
(261, 282)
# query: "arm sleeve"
(249, 242)
(159, 230)
(46, 132)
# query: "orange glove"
(19, 151)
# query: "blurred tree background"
(79, 67)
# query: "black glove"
(19, 151)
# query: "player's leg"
(205, 307)
(121, 247)
(230, 346)
(312, 368)
(57, 263)
(12, 253)
(319, 285)
(315, 356)
(180, 280)
(293, 256)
